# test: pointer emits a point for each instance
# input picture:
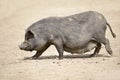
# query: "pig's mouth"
(28, 49)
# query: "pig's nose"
(20, 46)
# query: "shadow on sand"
(66, 57)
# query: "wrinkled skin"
(77, 33)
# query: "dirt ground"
(17, 15)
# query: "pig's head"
(30, 42)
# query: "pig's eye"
(29, 35)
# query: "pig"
(78, 33)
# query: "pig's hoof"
(34, 57)
(60, 58)
(93, 55)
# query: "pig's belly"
(79, 50)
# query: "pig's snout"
(21, 47)
(26, 46)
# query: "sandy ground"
(17, 15)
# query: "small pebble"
(118, 63)
(53, 62)
(96, 62)
(103, 59)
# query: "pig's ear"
(29, 35)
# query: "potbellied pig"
(77, 33)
